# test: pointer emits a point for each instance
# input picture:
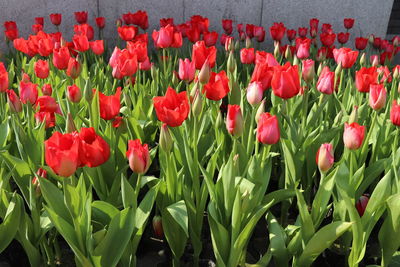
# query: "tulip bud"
(354, 115)
(325, 157)
(353, 135)
(166, 140)
(288, 53)
(260, 110)
(118, 23)
(231, 62)
(295, 60)
(276, 50)
(127, 100)
(70, 124)
(197, 106)
(371, 38)
(88, 92)
(249, 44)
(154, 72)
(157, 227)
(138, 156)
(362, 59)
(35, 181)
(237, 45)
(308, 72)
(396, 73)
(338, 71)
(234, 120)
(219, 120)
(268, 129)
(398, 88)
(361, 204)
(74, 68)
(13, 101)
(205, 72)
(74, 93)
(193, 92)
(254, 93)
(175, 79)
(377, 96)
(374, 60)
(320, 68)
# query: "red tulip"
(127, 33)
(74, 68)
(13, 101)
(55, 19)
(47, 104)
(343, 37)
(93, 150)
(28, 92)
(81, 17)
(384, 74)
(377, 42)
(395, 113)
(61, 58)
(10, 25)
(353, 135)
(138, 156)
(291, 34)
(259, 33)
(45, 46)
(48, 118)
(348, 23)
(325, 157)
(229, 46)
(308, 71)
(267, 58)
(361, 204)
(173, 108)
(200, 22)
(247, 55)
(377, 96)
(145, 65)
(11, 35)
(62, 153)
(46, 89)
(74, 93)
(302, 32)
(326, 81)
(21, 45)
(345, 56)
(84, 29)
(100, 22)
(268, 129)
(254, 93)
(262, 73)
(365, 77)
(37, 28)
(97, 47)
(164, 37)
(157, 227)
(81, 42)
(109, 105)
(234, 120)
(285, 82)
(250, 30)
(210, 38)
(123, 63)
(314, 23)
(361, 43)
(326, 28)
(187, 70)
(165, 21)
(303, 48)
(327, 39)
(200, 53)
(193, 34)
(3, 78)
(217, 87)
(277, 31)
(227, 26)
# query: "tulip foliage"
(218, 144)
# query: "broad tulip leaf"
(11, 221)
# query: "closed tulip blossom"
(81, 17)
(234, 120)
(187, 70)
(348, 23)
(55, 19)
(3, 78)
(97, 47)
(138, 156)
(127, 33)
(327, 39)
(303, 48)
(361, 43)
(28, 92)
(254, 93)
(308, 71)
(325, 157)
(41, 68)
(326, 81)
(377, 96)
(277, 31)
(173, 108)
(74, 93)
(285, 82)
(353, 135)
(61, 58)
(100, 22)
(227, 26)
(200, 53)
(247, 55)
(395, 113)
(361, 204)
(210, 38)
(345, 56)
(268, 129)
(74, 68)
(13, 101)
(343, 37)
(47, 89)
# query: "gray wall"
(371, 16)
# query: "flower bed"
(231, 155)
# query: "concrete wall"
(371, 16)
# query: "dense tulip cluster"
(186, 123)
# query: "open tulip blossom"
(198, 138)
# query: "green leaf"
(179, 213)
(322, 240)
(11, 221)
(277, 239)
(128, 193)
